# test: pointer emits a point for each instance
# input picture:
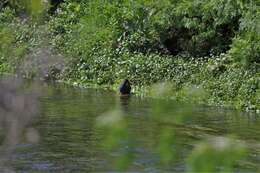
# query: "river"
(94, 130)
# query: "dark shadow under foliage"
(179, 40)
(54, 5)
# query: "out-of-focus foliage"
(216, 155)
(114, 124)
(34, 8)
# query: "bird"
(125, 87)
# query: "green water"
(70, 141)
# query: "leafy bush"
(246, 49)
(197, 28)
(246, 46)
(16, 39)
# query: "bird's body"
(125, 87)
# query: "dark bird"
(125, 87)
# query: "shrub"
(246, 47)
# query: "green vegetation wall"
(212, 44)
(197, 28)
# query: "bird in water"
(125, 87)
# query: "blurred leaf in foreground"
(219, 154)
(116, 138)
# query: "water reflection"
(124, 102)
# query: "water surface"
(70, 140)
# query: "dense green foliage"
(12, 45)
(194, 28)
(208, 44)
(211, 45)
(18, 38)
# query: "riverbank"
(103, 48)
(198, 82)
